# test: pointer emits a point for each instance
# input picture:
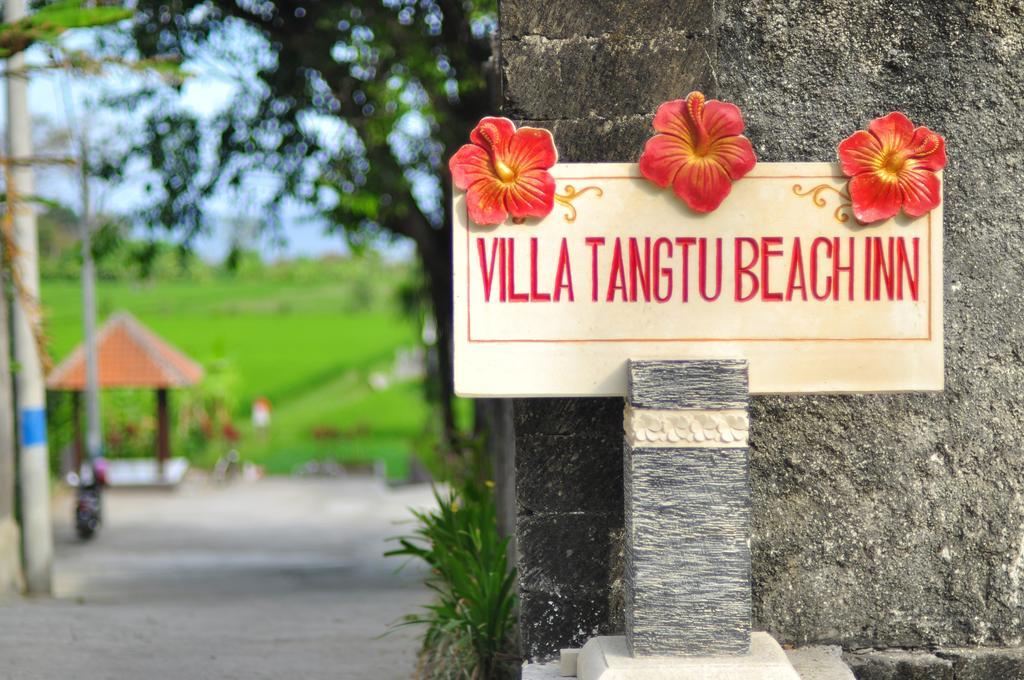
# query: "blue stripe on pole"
(33, 426)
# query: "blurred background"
(265, 194)
(240, 209)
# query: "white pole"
(31, 391)
(11, 580)
(93, 428)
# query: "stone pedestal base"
(811, 663)
(607, 658)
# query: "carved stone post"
(687, 508)
(687, 517)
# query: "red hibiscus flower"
(701, 150)
(892, 165)
(505, 171)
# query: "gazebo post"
(163, 430)
(79, 443)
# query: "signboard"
(780, 274)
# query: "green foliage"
(60, 255)
(343, 420)
(297, 332)
(129, 423)
(470, 629)
(378, 68)
(51, 21)
(59, 234)
(353, 106)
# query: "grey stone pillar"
(897, 520)
(883, 520)
(687, 495)
(593, 72)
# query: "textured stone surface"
(558, 473)
(901, 665)
(687, 572)
(598, 110)
(576, 616)
(898, 520)
(595, 138)
(610, 19)
(566, 550)
(687, 384)
(687, 555)
(573, 64)
(878, 520)
(569, 502)
(986, 663)
(973, 663)
(566, 60)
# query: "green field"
(308, 345)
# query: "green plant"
(329, 355)
(470, 629)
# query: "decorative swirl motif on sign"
(646, 427)
(570, 195)
(841, 213)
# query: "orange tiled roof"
(130, 355)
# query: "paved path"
(281, 578)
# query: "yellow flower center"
(695, 110)
(505, 173)
(893, 163)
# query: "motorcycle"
(89, 502)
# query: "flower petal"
(722, 119)
(671, 119)
(532, 195)
(700, 150)
(702, 183)
(735, 154)
(493, 132)
(470, 164)
(485, 201)
(894, 131)
(874, 198)
(934, 145)
(531, 148)
(662, 157)
(920, 189)
(860, 152)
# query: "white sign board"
(780, 274)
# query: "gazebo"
(129, 356)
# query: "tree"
(355, 106)
(54, 19)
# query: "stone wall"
(592, 72)
(890, 521)
(898, 520)
(570, 523)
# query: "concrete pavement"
(280, 578)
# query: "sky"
(55, 98)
